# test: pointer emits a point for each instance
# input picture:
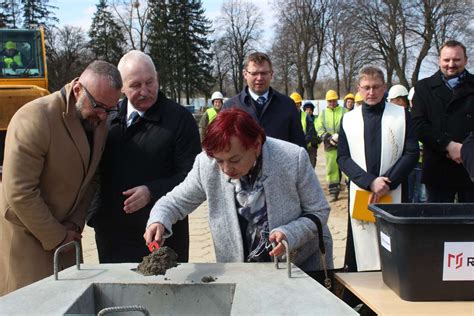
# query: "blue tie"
(261, 101)
(133, 118)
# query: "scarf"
(452, 83)
(251, 205)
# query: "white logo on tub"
(458, 262)
(385, 241)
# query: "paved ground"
(201, 246)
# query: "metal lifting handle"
(288, 259)
(119, 309)
(327, 280)
(77, 245)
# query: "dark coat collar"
(436, 80)
(153, 114)
(442, 91)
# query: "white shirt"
(255, 96)
(130, 110)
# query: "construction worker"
(217, 99)
(358, 100)
(296, 97)
(11, 56)
(307, 123)
(327, 126)
(349, 101)
(398, 95)
(308, 107)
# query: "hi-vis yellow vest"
(211, 114)
(329, 120)
(303, 121)
(9, 60)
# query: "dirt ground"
(338, 216)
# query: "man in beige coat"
(52, 149)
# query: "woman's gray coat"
(291, 190)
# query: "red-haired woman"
(258, 190)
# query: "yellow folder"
(361, 203)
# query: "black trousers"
(119, 246)
(446, 195)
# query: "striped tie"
(133, 118)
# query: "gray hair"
(107, 70)
(134, 56)
(371, 71)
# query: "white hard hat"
(217, 96)
(397, 91)
(411, 93)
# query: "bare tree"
(383, 27)
(432, 22)
(352, 57)
(402, 32)
(282, 60)
(67, 55)
(335, 34)
(133, 16)
(345, 53)
(221, 63)
(307, 22)
(240, 22)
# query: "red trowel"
(153, 246)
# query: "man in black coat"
(275, 112)
(151, 146)
(443, 116)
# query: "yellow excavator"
(23, 73)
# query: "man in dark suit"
(275, 112)
(150, 148)
(443, 115)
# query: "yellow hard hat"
(349, 96)
(331, 95)
(296, 97)
(10, 45)
(358, 98)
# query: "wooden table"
(370, 289)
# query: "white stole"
(392, 142)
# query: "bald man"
(53, 146)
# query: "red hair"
(229, 123)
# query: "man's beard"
(88, 124)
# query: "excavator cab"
(23, 73)
(22, 58)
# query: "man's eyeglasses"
(368, 88)
(97, 107)
(261, 73)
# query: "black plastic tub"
(427, 250)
